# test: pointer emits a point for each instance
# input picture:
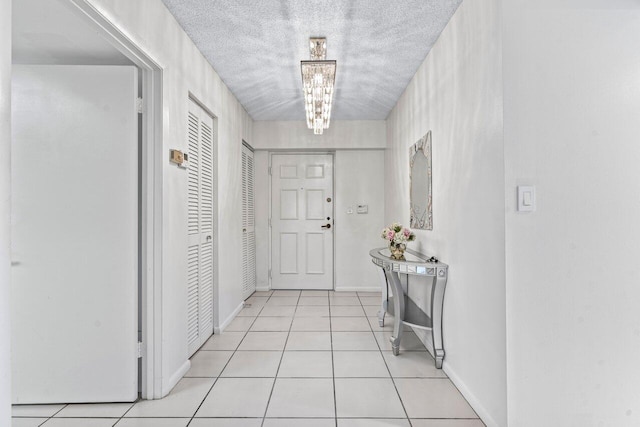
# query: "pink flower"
(391, 235)
(407, 232)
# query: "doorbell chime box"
(179, 158)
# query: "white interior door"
(74, 234)
(199, 227)
(248, 225)
(302, 221)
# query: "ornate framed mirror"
(420, 193)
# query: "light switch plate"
(526, 198)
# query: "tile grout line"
(333, 367)
(275, 378)
(388, 370)
(415, 377)
(54, 414)
(126, 412)
(245, 333)
(226, 364)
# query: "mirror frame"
(422, 147)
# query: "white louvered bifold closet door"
(248, 225)
(199, 228)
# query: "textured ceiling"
(256, 47)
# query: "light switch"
(526, 198)
(363, 209)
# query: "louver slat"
(206, 281)
(250, 197)
(193, 323)
(251, 270)
(245, 270)
(245, 215)
(206, 188)
(193, 175)
(248, 224)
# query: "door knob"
(326, 226)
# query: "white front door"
(74, 194)
(302, 221)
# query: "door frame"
(333, 206)
(151, 195)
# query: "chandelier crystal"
(318, 80)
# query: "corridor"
(292, 359)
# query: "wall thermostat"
(362, 209)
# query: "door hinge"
(139, 105)
(139, 350)
(269, 222)
(269, 273)
(269, 170)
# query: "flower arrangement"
(398, 236)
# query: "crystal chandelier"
(318, 79)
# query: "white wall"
(359, 175)
(359, 179)
(572, 129)
(457, 93)
(150, 25)
(341, 135)
(5, 211)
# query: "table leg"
(385, 299)
(398, 310)
(437, 303)
(381, 314)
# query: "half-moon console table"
(399, 305)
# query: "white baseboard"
(358, 289)
(262, 288)
(425, 337)
(177, 376)
(471, 398)
(219, 329)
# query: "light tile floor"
(291, 359)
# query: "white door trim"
(151, 188)
(333, 215)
